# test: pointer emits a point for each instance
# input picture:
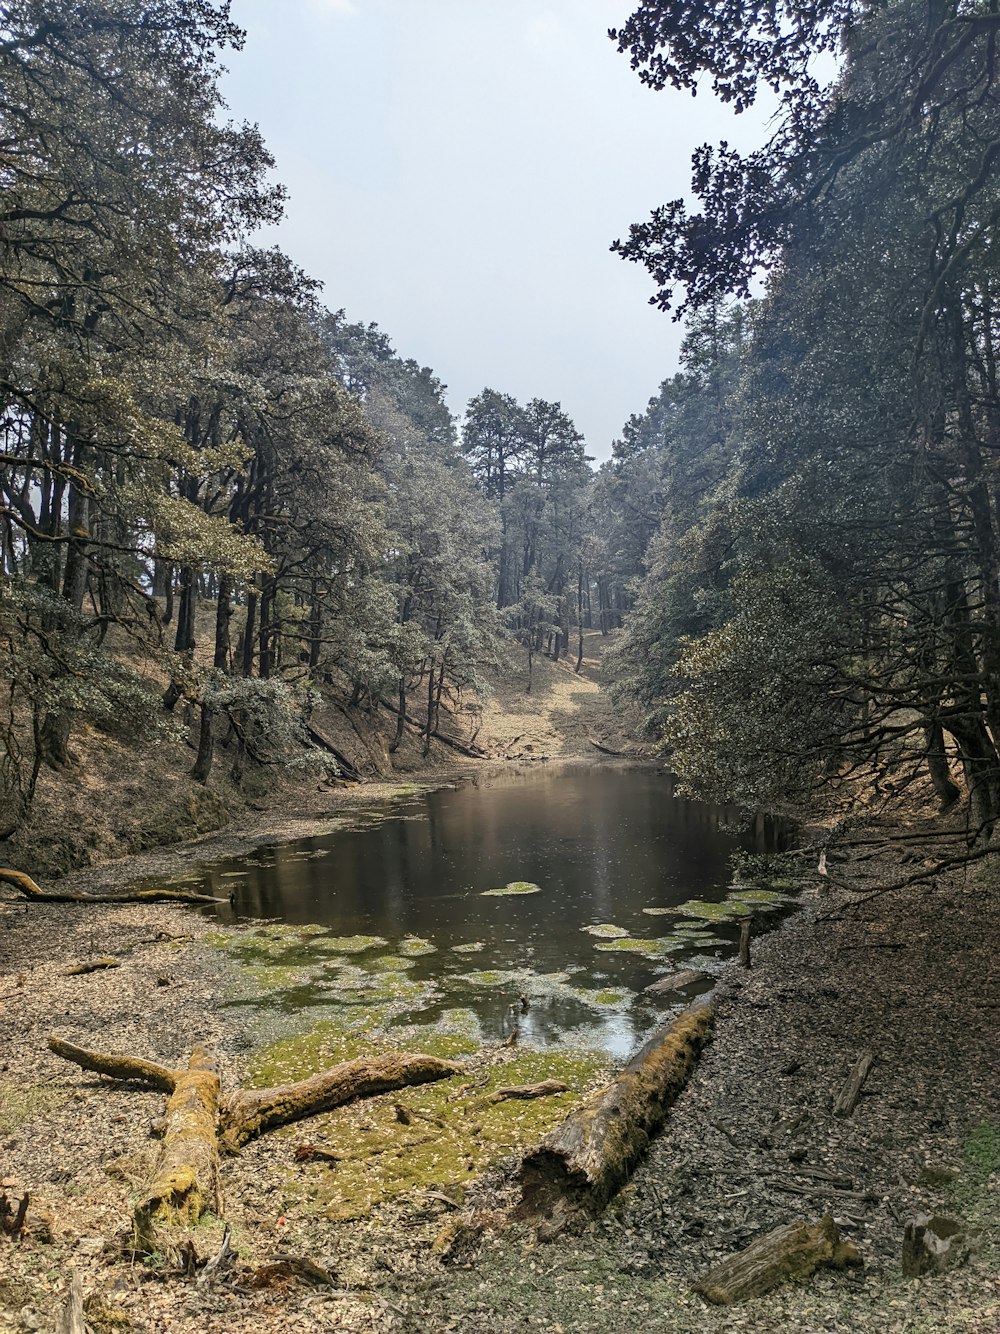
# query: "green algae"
(613, 997)
(470, 947)
(274, 977)
(650, 949)
(489, 977)
(606, 931)
(455, 1132)
(388, 963)
(760, 898)
(414, 947)
(352, 944)
(515, 887)
(714, 912)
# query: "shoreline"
(913, 974)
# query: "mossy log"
(25, 885)
(185, 1182)
(252, 1112)
(789, 1254)
(199, 1124)
(115, 1067)
(580, 1165)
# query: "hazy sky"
(457, 170)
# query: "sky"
(457, 170)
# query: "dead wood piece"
(745, 927)
(71, 1319)
(219, 1264)
(117, 1067)
(543, 1090)
(252, 1112)
(589, 1155)
(26, 886)
(347, 770)
(186, 1179)
(12, 1221)
(606, 750)
(457, 1238)
(933, 1245)
(789, 1254)
(675, 981)
(847, 1098)
(312, 1153)
(285, 1267)
(92, 966)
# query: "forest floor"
(913, 975)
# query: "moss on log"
(196, 1126)
(186, 1179)
(789, 1254)
(580, 1165)
(253, 1112)
(115, 1067)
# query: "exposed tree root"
(579, 1166)
(26, 886)
(199, 1124)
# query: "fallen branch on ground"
(543, 1090)
(199, 1123)
(25, 885)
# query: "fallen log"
(472, 752)
(579, 1166)
(675, 981)
(185, 1181)
(606, 750)
(847, 1098)
(252, 1112)
(347, 770)
(26, 886)
(71, 1318)
(789, 1254)
(543, 1090)
(199, 1124)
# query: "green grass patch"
(21, 1103)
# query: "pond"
(571, 886)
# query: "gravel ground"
(912, 975)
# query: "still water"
(601, 842)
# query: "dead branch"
(25, 885)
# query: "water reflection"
(603, 841)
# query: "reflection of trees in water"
(602, 842)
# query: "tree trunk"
(579, 1166)
(185, 1182)
(937, 765)
(198, 1123)
(400, 717)
(788, 1254)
